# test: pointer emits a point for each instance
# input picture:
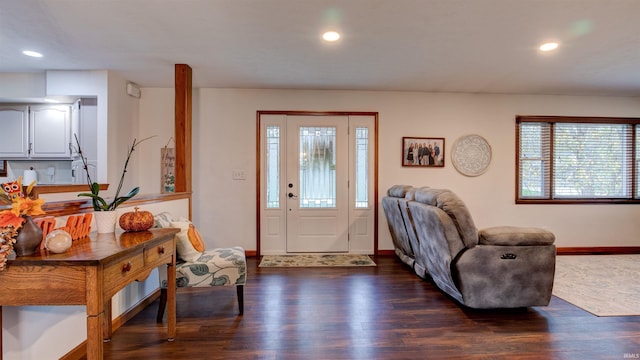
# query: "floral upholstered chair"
(199, 267)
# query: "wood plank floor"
(382, 312)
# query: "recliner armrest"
(515, 236)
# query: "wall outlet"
(238, 175)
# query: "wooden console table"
(90, 273)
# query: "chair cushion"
(164, 220)
(216, 267)
(187, 246)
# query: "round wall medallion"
(471, 155)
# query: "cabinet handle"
(30, 147)
(126, 267)
(161, 250)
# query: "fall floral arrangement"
(11, 220)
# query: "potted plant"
(102, 207)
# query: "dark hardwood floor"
(383, 312)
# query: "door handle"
(291, 195)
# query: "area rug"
(316, 260)
(604, 285)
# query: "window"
(577, 160)
(318, 167)
(362, 168)
(273, 167)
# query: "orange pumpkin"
(136, 220)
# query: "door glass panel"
(317, 167)
(362, 168)
(273, 167)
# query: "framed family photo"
(422, 151)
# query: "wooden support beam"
(182, 133)
(183, 113)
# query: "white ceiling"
(477, 46)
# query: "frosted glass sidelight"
(362, 168)
(273, 167)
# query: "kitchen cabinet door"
(14, 122)
(50, 130)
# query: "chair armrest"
(515, 236)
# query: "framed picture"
(3, 168)
(423, 152)
(167, 169)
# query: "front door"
(317, 182)
(317, 178)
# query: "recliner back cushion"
(411, 194)
(427, 195)
(399, 191)
(451, 204)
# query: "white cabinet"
(41, 132)
(50, 131)
(14, 122)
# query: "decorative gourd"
(136, 220)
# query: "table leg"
(95, 326)
(95, 313)
(171, 299)
(107, 330)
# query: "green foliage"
(99, 203)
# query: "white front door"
(316, 184)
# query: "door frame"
(259, 114)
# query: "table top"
(98, 248)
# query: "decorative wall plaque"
(471, 155)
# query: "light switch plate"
(238, 175)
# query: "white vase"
(105, 221)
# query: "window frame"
(552, 120)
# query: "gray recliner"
(403, 233)
(498, 267)
(392, 205)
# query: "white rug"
(604, 285)
(316, 260)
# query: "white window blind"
(563, 159)
(592, 160)
(535, 161)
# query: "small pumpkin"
(136, 220)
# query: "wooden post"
(183, 113)
(182, 132)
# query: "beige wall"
(224, 140)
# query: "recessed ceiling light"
(331, 36)
(32, 53)
(548, 46)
